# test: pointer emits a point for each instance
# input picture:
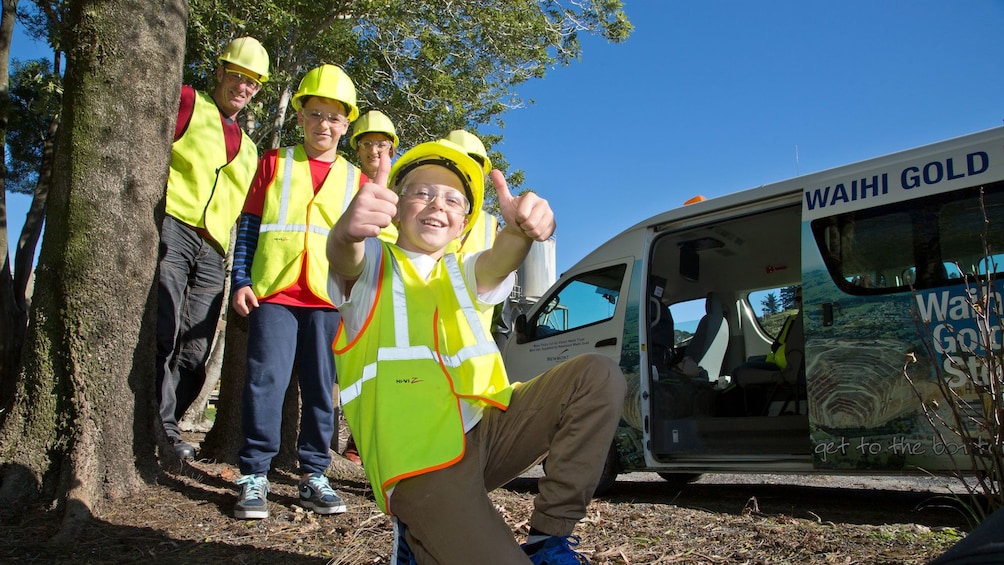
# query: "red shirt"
(299, 294)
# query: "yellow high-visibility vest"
(203, 189)
(420, 354)
(776, 355)
(295, 223)
(480, 237)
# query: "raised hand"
(528, 213)
(373, 207)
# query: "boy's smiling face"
(427, 227)
(324, 123)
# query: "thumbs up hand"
(373, 207)
(527, 213)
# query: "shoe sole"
(250, 514)
(323, 509)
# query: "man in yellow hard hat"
(423, 386)
(280, 284)
(212, 163)
(373, 135)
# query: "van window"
(923, 243)
(686, 316)
(772, 307)
(586, 299)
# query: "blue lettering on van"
(936, 171)
(860, 189)
(911, 177)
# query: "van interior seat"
(662, 336)
(757, 373)
(711, 338)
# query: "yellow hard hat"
(248, 53)
(472, 144)
(452, 156)
(373, 121)
(328, 81)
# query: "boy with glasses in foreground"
(423, 388)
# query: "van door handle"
(606, 342)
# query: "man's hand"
(528, 213)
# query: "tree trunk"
(31, 231)
(83, 428)
(225, 439)
(10, 347)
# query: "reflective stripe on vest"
(203, 189)
(296, 221)
(420, 354)
(481, 237)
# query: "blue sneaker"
(557, 551)
(317, 495)
(401, 554)
(252, 501)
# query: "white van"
(714, 280)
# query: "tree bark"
(84, 425)
(10, 346)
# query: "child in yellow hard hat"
(280, 284)
(423, 388)
(373, 134)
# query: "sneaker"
(252, 501)
(556, 551)
(401, 554)
(317, 495)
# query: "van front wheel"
(679, 479)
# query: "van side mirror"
(519, 326)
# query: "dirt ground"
(186, 518)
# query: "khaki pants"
(569, 413)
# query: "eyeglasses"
(380, 145)
(333, 119)
(453, 200)
(241, 78)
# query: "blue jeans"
(278, 336)
(189, 299)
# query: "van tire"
(679, 479)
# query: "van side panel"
(873, 348)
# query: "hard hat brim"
(445, 154)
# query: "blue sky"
(718, 96)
